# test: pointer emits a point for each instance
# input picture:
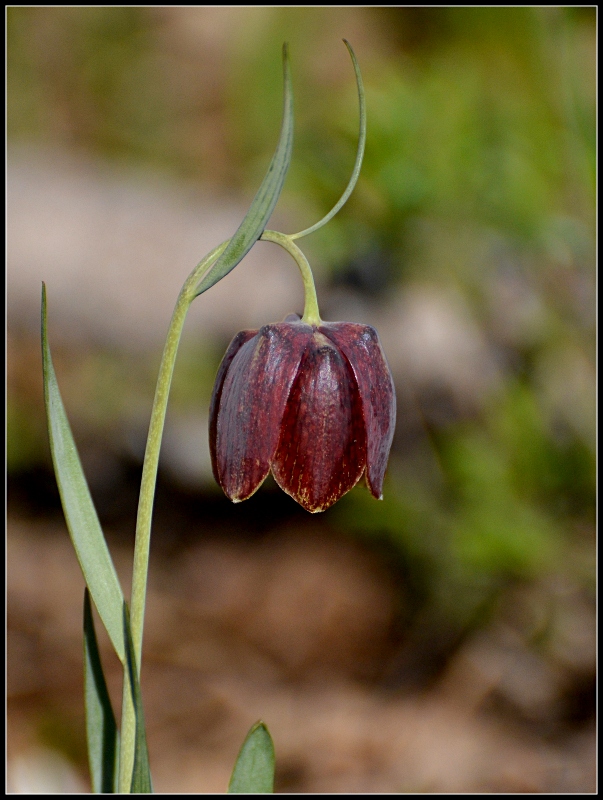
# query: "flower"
(313, 403)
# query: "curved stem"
(151, 457)
(145, 504)
(311, 314)
(151, 464)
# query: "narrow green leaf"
(359, 152)
(101, 730)
(141, 773)
(254, 771)
(80, 514)
(265, 200)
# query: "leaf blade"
(256, 219)
(141, 773)
(359, 151)
(101, 729)
(82, 521)
(253, 772)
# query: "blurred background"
(442, 640)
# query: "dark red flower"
(314, 404)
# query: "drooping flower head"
(313, 403)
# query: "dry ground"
(294, 629)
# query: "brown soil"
(297, 629)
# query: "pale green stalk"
(145, 505)
(311, 314)
(151, 463)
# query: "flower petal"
(254, 393)
(322, 449)
(233, 348)
(361, 346)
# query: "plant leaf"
(141, 773)
(359, 152)
(253, 772)
(101, 729)
(80, 514)
(256, 219)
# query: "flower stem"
(311, 313)
(151, 464)
(145, 504)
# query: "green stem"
(145, 504)
(311, 314)
(151, 463)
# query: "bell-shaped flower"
(314, 404)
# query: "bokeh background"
(440, 640)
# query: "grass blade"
(256, 219)
(80, 514)
(253, 772)
(359, 152)
(141, 773)
(101, 729)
